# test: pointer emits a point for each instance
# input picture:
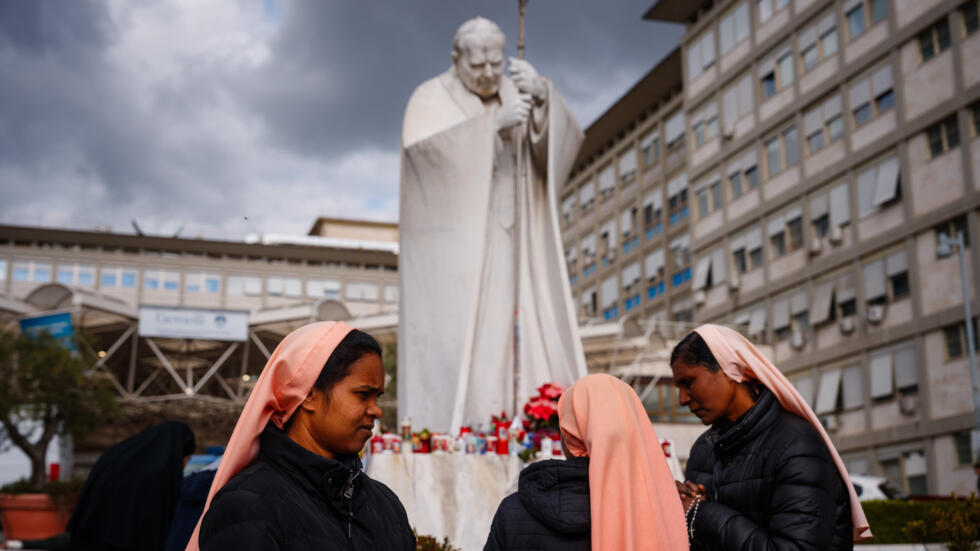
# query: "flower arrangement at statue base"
(536, 437)
(541, 423)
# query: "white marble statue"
(479, 238)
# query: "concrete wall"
(934, 182)
(829, 336)
(787, 264)
(851, 422)
(881, 221)
(907, 11)
(940, 287)
(925, 85)
(707, 150)
(716, 296)
(975, 160)
(828, 157)
(970, 50)
(951, 477)
(703, 81)
(826, 69)
(949, 382)
(709, 223)
(776, 23)
(745, 204)
(873, 131)
(783, 99)
(864, 43)
(735, 55)
(752, 280)
(826, 247)
(898, 313)
(783, 182)
(886, 415)
(744, 125)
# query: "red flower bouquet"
(541, 415)
(541, 411)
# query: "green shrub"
(429, 543)
(888, 520)
(955, 521)
(64, 493)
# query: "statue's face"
(480, 64)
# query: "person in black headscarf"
(129, 498)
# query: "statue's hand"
(514, 113)
(527, 79)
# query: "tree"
(44, 391)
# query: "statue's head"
(478, 55)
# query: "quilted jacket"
(549, 511)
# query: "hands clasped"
(689, 491)
(532, 88)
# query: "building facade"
(792, 179)
(275, 283)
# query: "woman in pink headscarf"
(613, 493)
(290, 477)
(765, 475)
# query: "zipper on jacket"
(348, 495)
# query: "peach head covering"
(742, 361)
(633, 497)
(284, 383)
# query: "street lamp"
(944, 249)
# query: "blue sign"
(57, 325)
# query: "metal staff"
(518, 212)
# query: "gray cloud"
(213, 112)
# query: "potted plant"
(44, 391)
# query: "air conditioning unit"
(797, 340)
(830, 422)
(816, 246)
(836, 235)
(876, 313)
(847, 325)
(700, 297)
(734, 283)
(908, 405)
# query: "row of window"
(118, 277)
(890, 373)
(885, 279)
(877, 183)
(870, 96)
(817, 41)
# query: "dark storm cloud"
(104, 117)
(344, 72)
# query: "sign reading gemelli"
(193, 323)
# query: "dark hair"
(355, 346)
(692, 350)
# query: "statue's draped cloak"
(457, 256)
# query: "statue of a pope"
(483, 156)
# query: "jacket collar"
(556, 492)
(330, 479)
(729, 438)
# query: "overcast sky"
(257, 116)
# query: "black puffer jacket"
(292, 499)
(549, 511)
(771, 484)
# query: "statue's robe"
(461, 232)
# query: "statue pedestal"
(449, 495)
